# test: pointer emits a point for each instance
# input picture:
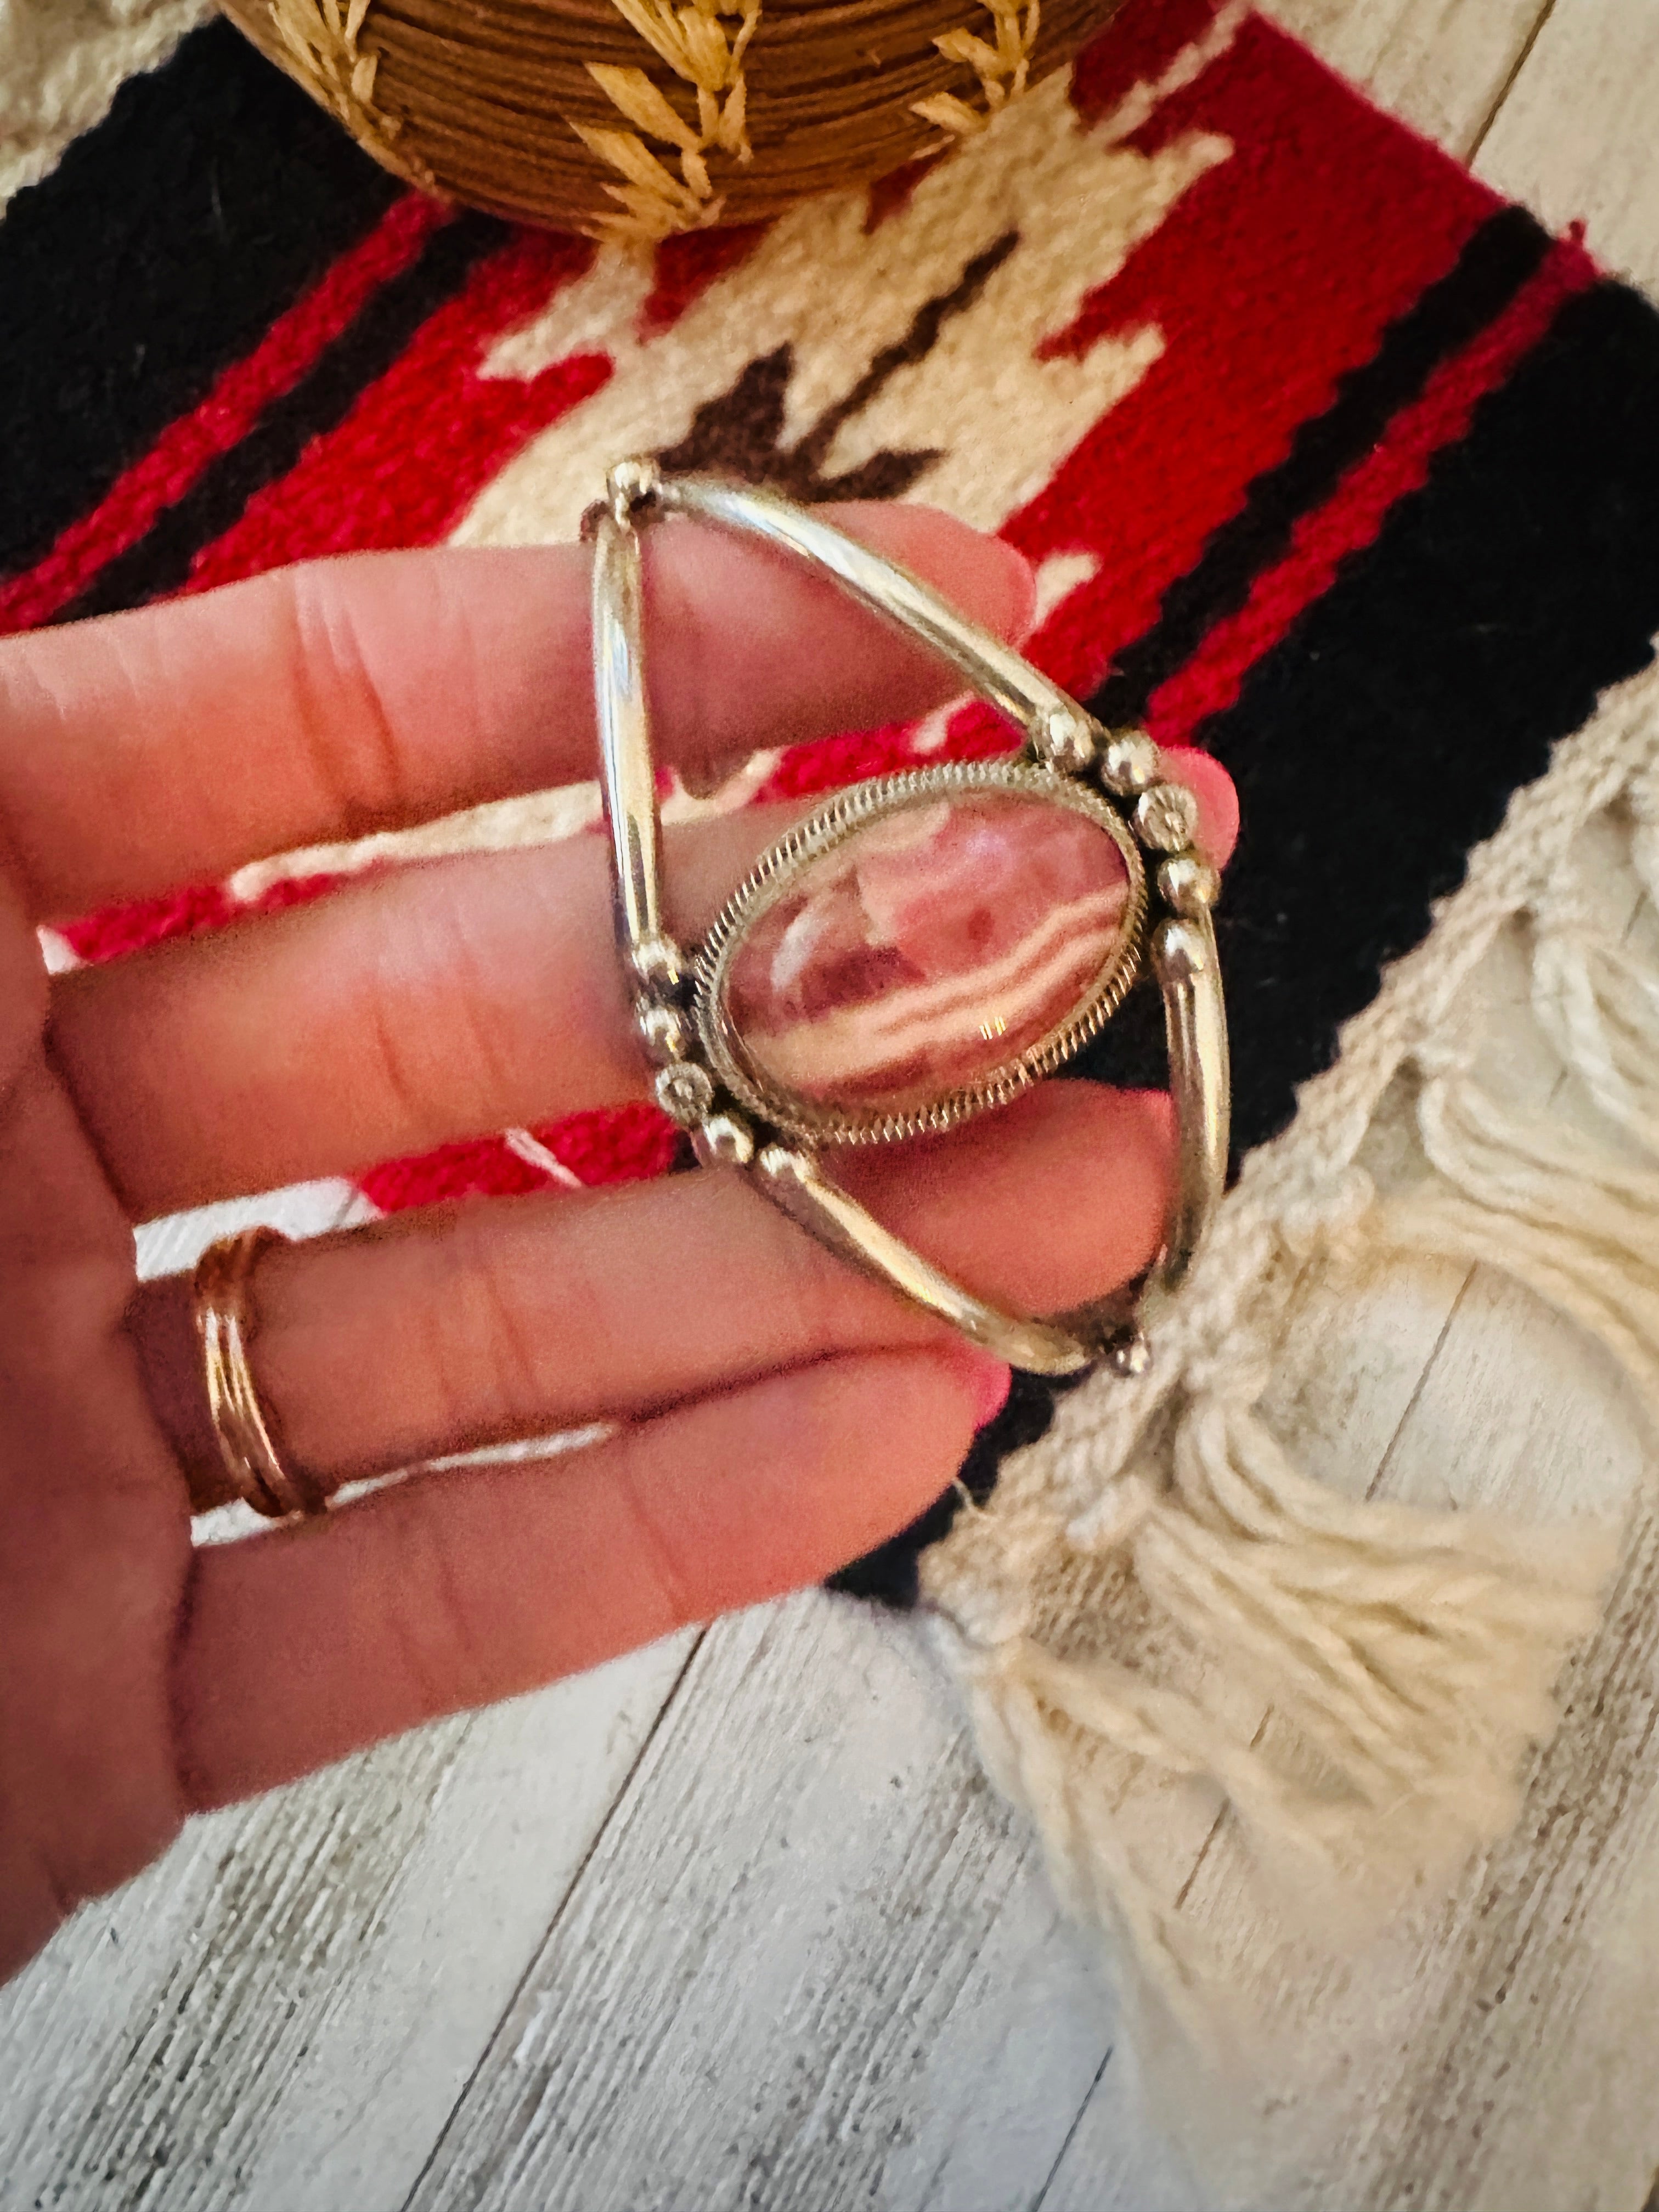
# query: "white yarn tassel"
(1413, 1652)
(1402, 1661)
(1405, 1659)
(1599, 1006)
(1548, 1203)
(1016, 1693)
(1035, 1718)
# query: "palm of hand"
(99, 1548)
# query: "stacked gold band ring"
(225, 1323)
(924, 945)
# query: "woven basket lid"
(641, 118)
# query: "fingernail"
(992, 1381)
(1022, 591)
(702, 779)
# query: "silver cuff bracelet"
(922, 946)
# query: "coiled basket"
(640, 118)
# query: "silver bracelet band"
(777, 1036)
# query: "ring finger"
(439, 1331)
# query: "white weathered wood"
(1119, 2160)
(282, 2010)
(811, 1963)
(1443, 66)
(1579, 137)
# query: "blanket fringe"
(1158, 1596)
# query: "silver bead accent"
(723, 1141)
(1131, 1356)
(1166, 817)
(1129, 762)
(685, 1092)
(779, 1164)
(1065, 739)
(1180, 951)
(658, 964)
(1188, 885)
(632, 484)
(664, 1032)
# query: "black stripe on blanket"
(1492, 267)
(161, 561)
(223, 193)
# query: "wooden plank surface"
(1443, 66)
(811, 1962)
(281, 2013)
(1579, 136)
(742, 1924)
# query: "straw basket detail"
(641, 118)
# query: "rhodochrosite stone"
(927, 950)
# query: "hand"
(775, 1412)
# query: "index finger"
(171, 744)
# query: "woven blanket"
(1329, 462)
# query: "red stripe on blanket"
(1356, 512)
(287, 350)
(1274, 276)
(421, 442)
(604, 1145)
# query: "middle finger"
(447, 1000)
(437, 1002)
